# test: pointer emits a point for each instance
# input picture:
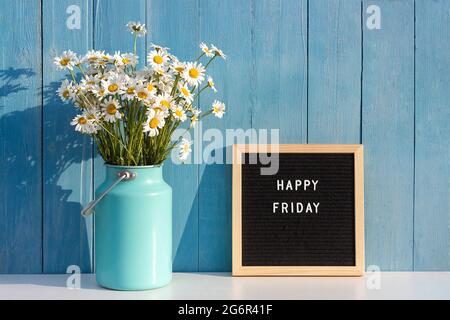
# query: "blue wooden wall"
(312, 68)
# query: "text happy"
(296, 207)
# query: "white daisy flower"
(126, 59)
(164, 111)
(143, 75)
(110, 108)
(81, 124)
(99, 92)
(164, 101)
(137, 28)
(178, 113)
(159, 48)
(114, 84)
(66, 60)
(151, 87)
(104, 58)
(129, 88)
(92, 56)
(159, 71)
(194, 73)
(185, 93)
(157, 59)
(178, 66)
(165, 80)
(78, 61)
(154, 123)
(89, 83)
(211, 84)
(218, 108)
(184, 149)
(206, 50)
(93, 117)
(66, 91)
(142, 92)
(195, 116)
(218, 52)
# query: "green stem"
(81, 69)
(210, 60)
(120, 141)
(73, 76)
(175, 85)
(200, 56)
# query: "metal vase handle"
(121, 176)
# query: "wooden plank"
(174, 24)
(388, 135)
(20, 142)
(67, 238)
(111, 34)
(334, 71)
(432, 153)
(279, 86)
(110, 31)
(227, 24)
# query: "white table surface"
(393, 285)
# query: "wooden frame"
(357, 270)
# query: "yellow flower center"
(91, 117)
(64, 61)
(165, 103)
(105, 58)
(153, 123)
(92, 58)
(111, 109)
(179, 113)
(193, 73)
(66, 94)
(157, 59)
(157, 109)
(82, 120)
(125, 60)
(210, 83)
(216, 109)
(113, 87)
(186, 148)
(150, 87)
(185, 91)
(142, 95)
(101, 92)
(130, 90)
(179, 68)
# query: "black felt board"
(326, 238)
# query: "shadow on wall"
(67, 237)
(21, 161)
(215, 226)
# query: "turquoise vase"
(133, 230)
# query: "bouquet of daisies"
(132, 114)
